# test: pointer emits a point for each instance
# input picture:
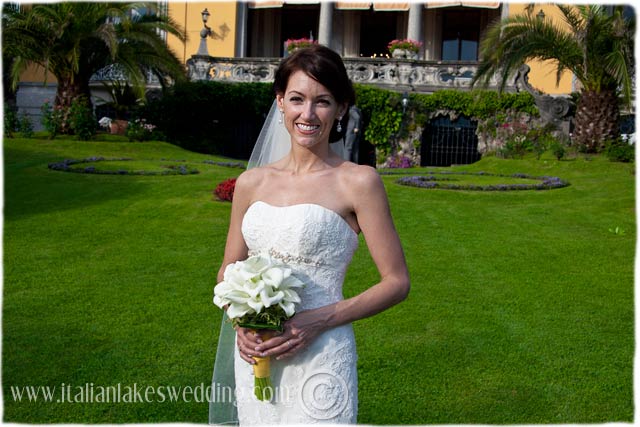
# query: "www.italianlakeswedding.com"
(130, 393)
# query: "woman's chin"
(308, 141)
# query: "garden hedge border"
(65, 166)
(430, 181)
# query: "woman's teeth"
(307, 128)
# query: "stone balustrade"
(391, 73)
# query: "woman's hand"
(299, 332)
(248, 340)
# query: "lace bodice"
(315, 241)
(318, 384)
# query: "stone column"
(241, 29)
(326, 23)
(414, 29)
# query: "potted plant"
(123, 100)
(295, 44)
(405, 48)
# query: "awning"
(385, 6)
(352, 5)
(377, 5)
(266, 4)
(391, 7)
(480, 4)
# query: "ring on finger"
(289, 343)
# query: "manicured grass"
(521, 309)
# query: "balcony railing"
(391, 73)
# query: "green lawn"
(521, 309)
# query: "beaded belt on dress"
(288, 258)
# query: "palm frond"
(596, 48)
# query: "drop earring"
(339, 125)
(281, 116)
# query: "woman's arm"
(236, 250)
(371, 208)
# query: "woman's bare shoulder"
(252, 176)
(360, 177)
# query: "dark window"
(269, 28)
(299, 21)
(377, 29)
(460, 35)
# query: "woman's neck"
(306, 160)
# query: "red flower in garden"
(224, 190)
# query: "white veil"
(272, 144)
(274, 141)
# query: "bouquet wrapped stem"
(262, 387)
(259, 293)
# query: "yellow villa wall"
(222, 21)
(35, 74)
(188, 15)
(543, 74)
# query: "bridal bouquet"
(260, 294)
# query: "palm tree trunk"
(67, 92)
(596, 119)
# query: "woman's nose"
(308, 111)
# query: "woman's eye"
(295, 99)
(324, 102)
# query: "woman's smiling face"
(310, 110)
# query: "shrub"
(10, 119)
(540, 139)
(52, 119)
(382, 111)
(140, 130)
(381, 115)
(224, 190)
(25, 126)
(619, 150)
(211, 117)
(515, 147)
(558, 149)
(81, 119)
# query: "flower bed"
(69, 165)
(432, 181)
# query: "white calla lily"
(288, 307)
(237, 310)
(273, 277)
(255, 305)
(254, 286)
(291, 296)
(268, 297)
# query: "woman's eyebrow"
(293, 91)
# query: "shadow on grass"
(26, 174)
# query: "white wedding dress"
(318, 384)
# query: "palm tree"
(597, 48)
(73, 40)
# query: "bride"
(308, 208)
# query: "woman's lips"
(306, 128)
